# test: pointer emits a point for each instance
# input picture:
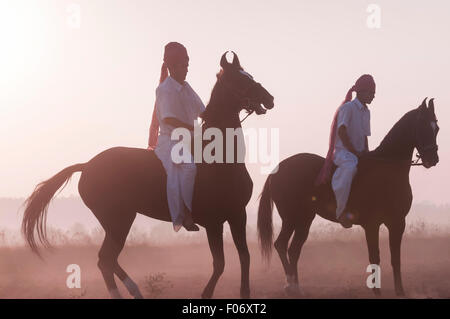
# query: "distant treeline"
(71, 222)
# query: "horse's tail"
(35, 214)
(265, 224)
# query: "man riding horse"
(348, 141)
(121, 182)
(177, 106)
(380, 193)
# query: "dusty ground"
(329, 269)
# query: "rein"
(419, 157)
(248, 114)
(241, 96)
(417, 161)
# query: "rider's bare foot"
(188, 222)
(352, 217)
(191, 226)
(344, 221)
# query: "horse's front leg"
(372, 239)
(396, 230)
(238, 231)
(215, 240)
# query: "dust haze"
(178, 265)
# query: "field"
(332, 265)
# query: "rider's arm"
(177, 123)
(342, 132)
(169, 109)
(343, 121)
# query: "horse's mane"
(402, 130)
(213, 100)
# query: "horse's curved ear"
(423, 106)
(223, 61)
(431, 105)
(236, 62)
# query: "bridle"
(430, 147)
(241, 95)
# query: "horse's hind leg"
(281, 245)
(131, 286)
(238, 231)
(300, 235)
(106, 263)
(215, 240)
(117, 227)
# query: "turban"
(364, 83)
(174, 53)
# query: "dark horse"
(121, 182)
(381, 194)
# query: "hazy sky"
(68, 93)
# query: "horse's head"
(426, 130)
(242, 88)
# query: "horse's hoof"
(138, 296)
(206, 295)
(114, 293)
(293, 290)
(400, 292)
(376, 291)
(245, 294)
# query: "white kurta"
(356, 118)
(180, 102)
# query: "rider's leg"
(187, 180)
(342, 179)
(174, 199)
(179, 176)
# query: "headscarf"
(364, 83)
(174, 53)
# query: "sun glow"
(22, 46)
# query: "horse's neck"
(224, 120)
(399, 142)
